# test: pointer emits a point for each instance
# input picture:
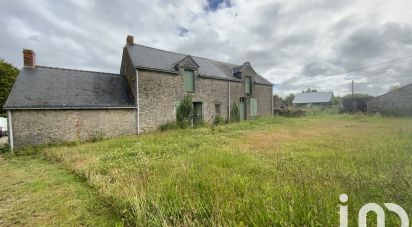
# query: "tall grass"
(271, 171)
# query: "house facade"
(53, 105)
(160, 79)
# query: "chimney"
(129, 40)
(29, 58)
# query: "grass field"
(34, 192)
(271, 171)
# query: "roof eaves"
(220, 78)
(268, 84)
(66, 107)
(389, 92)
(311, 102)
(157, 70)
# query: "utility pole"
(352, 89)
(353, 108)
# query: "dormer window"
(189, 80)
(248, 85)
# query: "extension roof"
(55, 88)
(313, 97)
(149, 58)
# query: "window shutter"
(253, 107)
(247, 84)
(188, 79)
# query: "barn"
(395, 103)
(308, 98)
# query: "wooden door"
(197, 113)
(242, 108)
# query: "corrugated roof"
(313, 97)
(156, 59)
(46, 87)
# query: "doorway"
(242, 109)
(197, 113)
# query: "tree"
(310, 90)
(356, 95)
(184, 112)
(234, 113)
(8, 74)
(277, 98)
(394, 87)
(289, 99)
(336, 100)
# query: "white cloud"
(297, 44)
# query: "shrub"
(4, 148)
(357, 103)
(184, 112)
(234, 113)
(294, 113)
(219, 120)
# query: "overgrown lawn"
(270, 171)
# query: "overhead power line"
(360, 69)
(370, 66)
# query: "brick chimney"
(129, 40)
(29, 58)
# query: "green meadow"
(266, 172)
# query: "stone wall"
(396, 103)
(263, 93)
(160, 92)
(127, 70)
(32, 127)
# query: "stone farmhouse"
(53, 105)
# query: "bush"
(219, 120)
(184, 112)
(234, 113)
(4, 148)
(357, 103)
(294, 113)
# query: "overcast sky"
(295, 44)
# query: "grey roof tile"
(46, 87)
(156, 59)
(313, 97)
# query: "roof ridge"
(390, 92)
(168, 51)
(78, 70)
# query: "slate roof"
(55, 88)
(313, 97)
(155, 59)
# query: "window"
(248, 85)
(189, 80)
(217, 109)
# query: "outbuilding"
(396, 103)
